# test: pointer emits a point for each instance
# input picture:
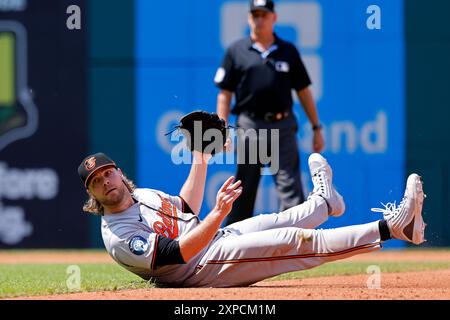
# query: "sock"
(385, 234)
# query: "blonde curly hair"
(96, 208)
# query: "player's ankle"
(385, 233)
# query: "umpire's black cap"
(92, 163)
(264, 5)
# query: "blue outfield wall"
(358, 83)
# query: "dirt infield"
(432, 285)
(406, 285)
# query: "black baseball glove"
(204, 131)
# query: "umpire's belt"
(268, 116)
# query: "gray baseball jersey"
(241, 253)
(130, 237)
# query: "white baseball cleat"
(322, 178)
(405, 222)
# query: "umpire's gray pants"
(287, 178)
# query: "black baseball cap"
(91, 164)
(264, 5)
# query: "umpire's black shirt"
(262, 81)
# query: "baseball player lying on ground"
(159, 237)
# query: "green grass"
(56, 251)
(46, 279)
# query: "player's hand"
(226, 196)
(318, 141)
(200, 158)
(228, 146)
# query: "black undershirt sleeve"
(167, 252)
(186, 208)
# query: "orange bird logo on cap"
(89, 164)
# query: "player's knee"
(304, 235)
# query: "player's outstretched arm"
(194, 241)
(194, 187)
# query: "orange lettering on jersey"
(168, 227)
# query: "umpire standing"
(261, 70)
